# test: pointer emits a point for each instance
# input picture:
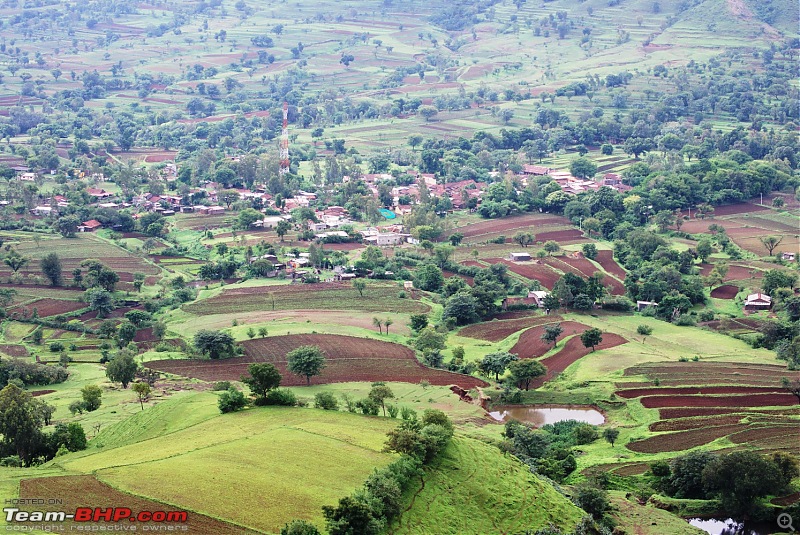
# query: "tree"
(122, 368)
(20, 422)
(100, 301)
(455, 239)
(583, 168)
(263, 378)
(591, 499)
(360, 285)
(51, 268)
(125, 333)
(775, 278)
(247, 217)
(139, 318)
(414, 140)
(142, 391)
(92, 397)
(793, 387)
(429, 278)
(591, 338)
(418, 322)
(551, 333)
(611, 434)
(15, 261)
(551, 247)
(770, 242)
(429, 112)
(496, 363)
(379, 394)
(282, 228)
(704, 249)
(67, 225)
(386, 323)
(739, 479)
(524, 239)
(523, 371)
(589, 250)
(352, 515)
(461, 306)
(215, 344)
(378, 323)
(306, 361)
(428, 339)
(138, 281)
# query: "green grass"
(473, 489)
(293, 460)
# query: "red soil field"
(530, 343)
(767, 432)
(469, 280)
(76, 490)
(494, 331)
(735, 272)
(707, 390)
(705, 370)
(562, 266)
(499, 226)
(688, 412)
(348, 358)
(683, 440)
(50, 307)
(14, 350)
(562, 236)
(586, 268)
(752, 400)
(685, 424)
(473, 263)
(516, 314)
(609, 265)
(727, 291)
(573, 351)
(37, 393)
(541, 272)
(732, 209)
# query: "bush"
(707, 315)
(368, 407)
(232, 400)
(280, 396)
(56, 347)
(619, 304)
(585, 433)
(644, 329)
(407, 413)
(220, 386)
(77, 407)
(685, 320)
(392, 410)
(326, 401)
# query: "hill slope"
(473, 489)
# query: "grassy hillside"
(184, 453)
(473, 489)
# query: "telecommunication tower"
(284, 150)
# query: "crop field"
(530, 270)
(492, 228)
(325, 296)
(470, 489)
(745, 223)
(348, 359)
(726, 291)
(496, 330)
(530, 344)
(573, 351)
(606, 260)
(86, 489)
(48, 307)
(73, 251)
(702, 402)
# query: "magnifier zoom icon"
(785, 521)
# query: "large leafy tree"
(264, 376)
(740, 478)
(307, 361)
(524, 371)
(496, 363)
(215, 344)
(20, 422)
(122, 368)
(551, 333)
(591, 337)
(51, 268)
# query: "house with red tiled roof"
(90, 226)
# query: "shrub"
(77, 407)
(644, 329)
(368, 407)
(348, 402)
(232, 400)
(220, 386)
(707, 315)
(280, 396)
(585, 433)
(392, 410)
(685, 320)
(407, 413)
(56, 347)
(326, 401)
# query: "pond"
(540, 415)
(718, 526)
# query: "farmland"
(347, 359)
(378, 297)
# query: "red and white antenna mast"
(284, 151)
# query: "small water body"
(539, 415)
(728, 526)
